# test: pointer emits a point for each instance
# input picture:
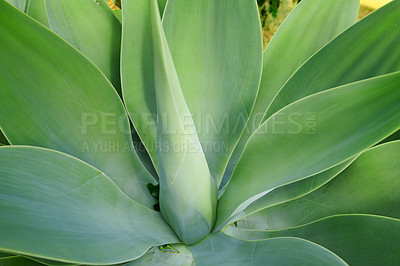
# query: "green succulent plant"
(287, 156)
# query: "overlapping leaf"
(370, 48)
(287, 148)
(54, 97)
(57, 207)
(137, 73)
(188, 193)
(310, 26)
(358, 239)
(370, 185)
(296, 190)
(220, 249)
(219, 77)
(217, 51)
(91, 27)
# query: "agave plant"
(171, 138)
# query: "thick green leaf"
(137, 73)
(287, 147)
(57, 207)
(188, 193)
(217, 51)
(297, 189)
(308, 27)
(91, 27)
(370, 185)
(175, 255)
(370, 48)
(220, 249)
(214, 84)
(37, 10)
(54, 97)
(358, 239)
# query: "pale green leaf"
(57, 207)
(56, 98)
(297, 189)
(91, 27)
(220, 249)
(217, 51)
(310, 26)
(370, 185)
(370, 48)
(358, 239)
(137, 73)
(214, 84)
(287, 147)
(188, 193)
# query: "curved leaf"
(188, 194)
(217, 51)
(220, 249)
(370, 185)
(358, 239)
(287, 148)
(57, 207)
(137, 73)
(297, 189)
(54, 97)
(91, 27)
(370, 48)
(308, 27)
